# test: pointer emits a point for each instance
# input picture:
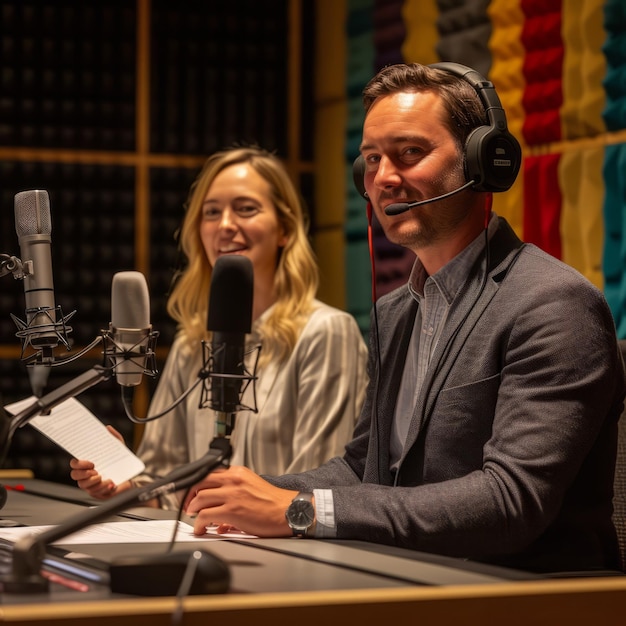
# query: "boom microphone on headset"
(402, 207)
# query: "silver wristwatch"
(300, 514)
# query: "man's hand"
(237, 497)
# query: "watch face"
(300, 514)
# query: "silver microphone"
(45, 325)
(33, 225)
(130, 329)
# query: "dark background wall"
(112, 107)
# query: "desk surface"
(264, 565)
(277, 578)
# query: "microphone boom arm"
(76, 386)
(29, 552)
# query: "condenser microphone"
(33, 225)
(130, 328)
(402, 207)
(229, 319)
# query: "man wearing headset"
(489, 428)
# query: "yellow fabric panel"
(329, 146)
(330, 247)
(420, 20)
(572, 86)
(594, 67)
(507, 53)
(584, 67)
(582, 226)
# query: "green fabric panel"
(359, 283)
(360, 68)
(614, 252)
(614, 168)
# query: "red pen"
(15, 487)
(66, 582)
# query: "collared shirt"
(435, 295)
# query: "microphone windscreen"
(230, 300)
(399, 207)
(32, 213)
(130, 301)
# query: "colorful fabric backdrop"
(559, 67)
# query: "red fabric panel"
(542, 203)
(543, 70)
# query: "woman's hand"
(237, 497)
(89, 480)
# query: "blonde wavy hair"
(297, 275)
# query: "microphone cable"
(185, 586)
(127, 394)
(376, 339)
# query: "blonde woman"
(312, 366)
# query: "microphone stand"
(29, 552)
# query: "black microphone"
(130, 328)
(402, 207)
(229, 319)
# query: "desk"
(314, 582)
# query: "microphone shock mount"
(217, 387)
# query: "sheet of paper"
(149, 531)
(76, 429)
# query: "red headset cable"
(370, 243)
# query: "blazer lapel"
(399, 316)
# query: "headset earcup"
(492, 154)
(492, 159)
(474, 146)
(358, 175)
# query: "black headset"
(492, 154)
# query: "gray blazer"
(511, 449)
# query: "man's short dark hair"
(460, 100)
